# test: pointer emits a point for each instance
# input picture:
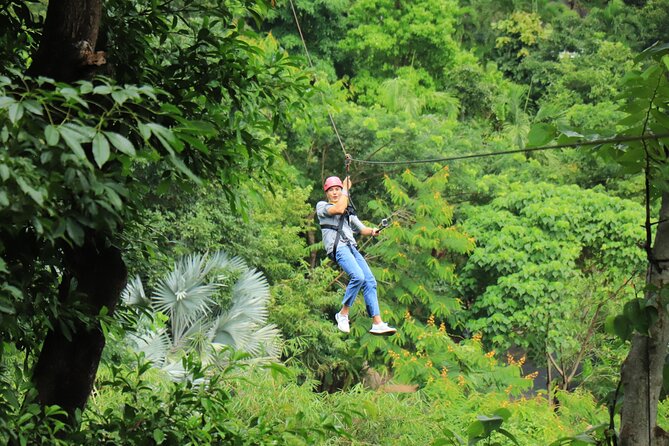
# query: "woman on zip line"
(338, 223)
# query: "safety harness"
(346, 214)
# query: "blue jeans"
(360, 276)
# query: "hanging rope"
(311, 64)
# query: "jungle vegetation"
(162, 280)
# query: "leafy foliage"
(79, 160)
(66, 172)
(518, 35)
(215, 141)
(544, 256)
(385, 35)
(138, 407)
(313, 346)
(268, 238)
(199, 319)
(414, 264)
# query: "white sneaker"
(342, 323)
(382, 329)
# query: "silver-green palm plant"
(205, 314)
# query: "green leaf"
(144, 130)
(158, 436)
(36, 195)
(503, 412)
(201, 127)
(179, 164)
(631, 120)
(451, 438)
(634, 312)
(166, 137)
(121, 143)
(71, 93)
(475, 429)
(661, 118)
(119, 96)
(571, 134)
(75, 232)
(540, 134)
(508, 435)
(194, 142)
(622, 327)
(100, 149)
(609, 325)
(33, 107)
(656, 48)
(73, 141)
(6, 101)
(51, 135)
(85, 87)
(15, 112)
(102, 89)
(490, 424)
(7, 308)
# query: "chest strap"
(333, 254)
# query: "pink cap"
(332, 182)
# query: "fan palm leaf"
(264, 342)
(250, 295)
(134, 294)
(186, 297)
(155, 345)
(223, 261)
(185, 294)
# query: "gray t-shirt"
(352, 224)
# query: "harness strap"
(337, 228)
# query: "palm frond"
(233, 330)
(186, 297)
(185, 294)
(250, 296)
(133, 293)
(230, 264)
(198, 338)
(175, 370)
(264, 342)
(155, 346)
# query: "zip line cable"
(508, 152)
(311, 64)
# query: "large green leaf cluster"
(19, 31)
(79, 160)
(386, 35)
(414, 263)
(240, 85)
(304, 311)
(66, 172)
(541, 252)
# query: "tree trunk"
(67, 365)
(642, 370)
(67, 49)
(68, 362)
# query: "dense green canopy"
(138, 139)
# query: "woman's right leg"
(356, 276)
(368, 287)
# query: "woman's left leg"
(368, 286)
